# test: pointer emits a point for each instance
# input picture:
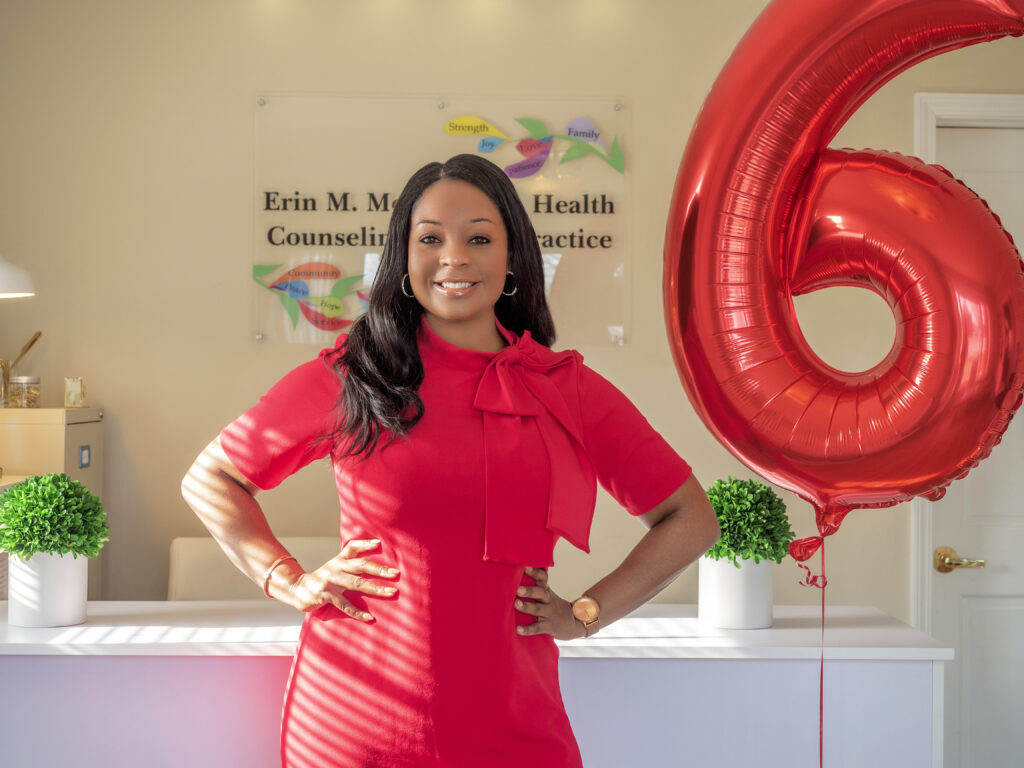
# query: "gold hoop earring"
(514, 289)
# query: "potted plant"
(736, 576)
(50, 525)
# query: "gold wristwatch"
(587, 612)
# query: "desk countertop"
(656, 630)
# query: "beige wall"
(125, 185)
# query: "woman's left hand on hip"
(554, 615)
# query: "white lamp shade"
(14, 281)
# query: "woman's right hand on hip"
(346, 571)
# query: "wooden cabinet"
(35, 441)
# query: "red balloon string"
(821, 667)
(810, 580)
(804, 549)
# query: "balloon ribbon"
(800, 550)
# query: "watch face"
(586, 609)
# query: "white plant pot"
(735, 598)
(47, 590)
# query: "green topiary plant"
(51, 514)
(753, 522)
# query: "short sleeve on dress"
(633, 462)
(286, 429)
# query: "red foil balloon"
(763, 211)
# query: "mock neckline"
(434, 347)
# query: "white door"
(981, 612)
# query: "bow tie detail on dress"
(539, 482)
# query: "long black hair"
(380, 367)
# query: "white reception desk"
(200, 684)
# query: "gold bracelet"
(270, 570)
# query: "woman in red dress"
(463, 447)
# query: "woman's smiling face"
(458, 257)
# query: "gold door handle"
(946, 559)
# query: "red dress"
(502, 463)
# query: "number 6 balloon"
(763, 211)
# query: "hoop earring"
(408, 294)
(516, 288)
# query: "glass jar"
(24, 392)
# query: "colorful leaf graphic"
(536, 128)
(294, 286)
(311, 270)
(583, 135)
(472, 126)
(327, 305)
(583, 129)
(531, 147)
(530, 165)
(488, 145)
(297, 289)
(324, 312)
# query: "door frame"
(933, 111)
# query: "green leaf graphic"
(291, 306)
(615, 157)
(577, 150)
(344, 287)
(536, 128)
(259, 270)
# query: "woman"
(462, 447)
